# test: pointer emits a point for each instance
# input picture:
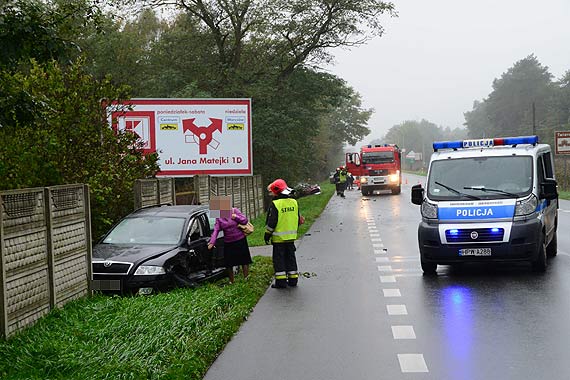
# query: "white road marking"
(413, 273)
(379, 251)
(378, 245)
(403, 332)
(391, 292)
(382, 259)
(384, 268)
(412, 363)
(397, 309)
(387, 279)
(374, 235)
(405, 259)
(375, 239)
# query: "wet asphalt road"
(370, 314)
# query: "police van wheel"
(429, 268)
(396, 190)
(539, 265)
(552, 249)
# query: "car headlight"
(429, 210)
(149, 270)
(363, 179)
(393, 178)
(526, 206)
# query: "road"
(367, 312)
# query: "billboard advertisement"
(562, 142)
(191, 136)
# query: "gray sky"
(439, 56)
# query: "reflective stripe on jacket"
(288, 220)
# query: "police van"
(488, 200)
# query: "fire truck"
(379, 167)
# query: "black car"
(157, 248)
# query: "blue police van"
(488, 200)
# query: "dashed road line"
(403, 332)
(385, 279)
(412, 363)
(409, 362)
(389, 293)
(397, 309)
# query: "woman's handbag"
(247, 229)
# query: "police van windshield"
(480, 177)
(377, 157)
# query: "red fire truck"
(379, 167)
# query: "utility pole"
(533, 120)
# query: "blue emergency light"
(484, 143)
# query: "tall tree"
(509, 108)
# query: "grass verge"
(175, 335)
(311, 207)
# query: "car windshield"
(377, 157)
(146, 230)
(480, 178)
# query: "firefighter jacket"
(282, 219)
(342, 176)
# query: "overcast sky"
(439, 56)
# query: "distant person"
(349, 180)
(283, 220)
(236, 250)
(340, 180)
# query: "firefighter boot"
(292, 278)
(280, 280)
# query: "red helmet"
(279, 186)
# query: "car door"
(218, 250)
(197, 243)
(545, 171)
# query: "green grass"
(175, 335)
(564, 194)
(311, 207)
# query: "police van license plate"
(475, 252)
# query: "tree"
(508, 109)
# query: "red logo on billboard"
(141, 124)
(204, 134)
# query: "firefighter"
(283, 220)
(340, 180)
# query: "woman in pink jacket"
(236, 250)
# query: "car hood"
(129, 253)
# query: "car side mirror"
(548, 189)
(417, 194)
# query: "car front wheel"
(429, 268)
(539, 265)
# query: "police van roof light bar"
(485, 143)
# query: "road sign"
(562, 142)
(191, 136)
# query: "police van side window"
(548, 170)
(540, 169)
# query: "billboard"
(562, 142)
(191, 136)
